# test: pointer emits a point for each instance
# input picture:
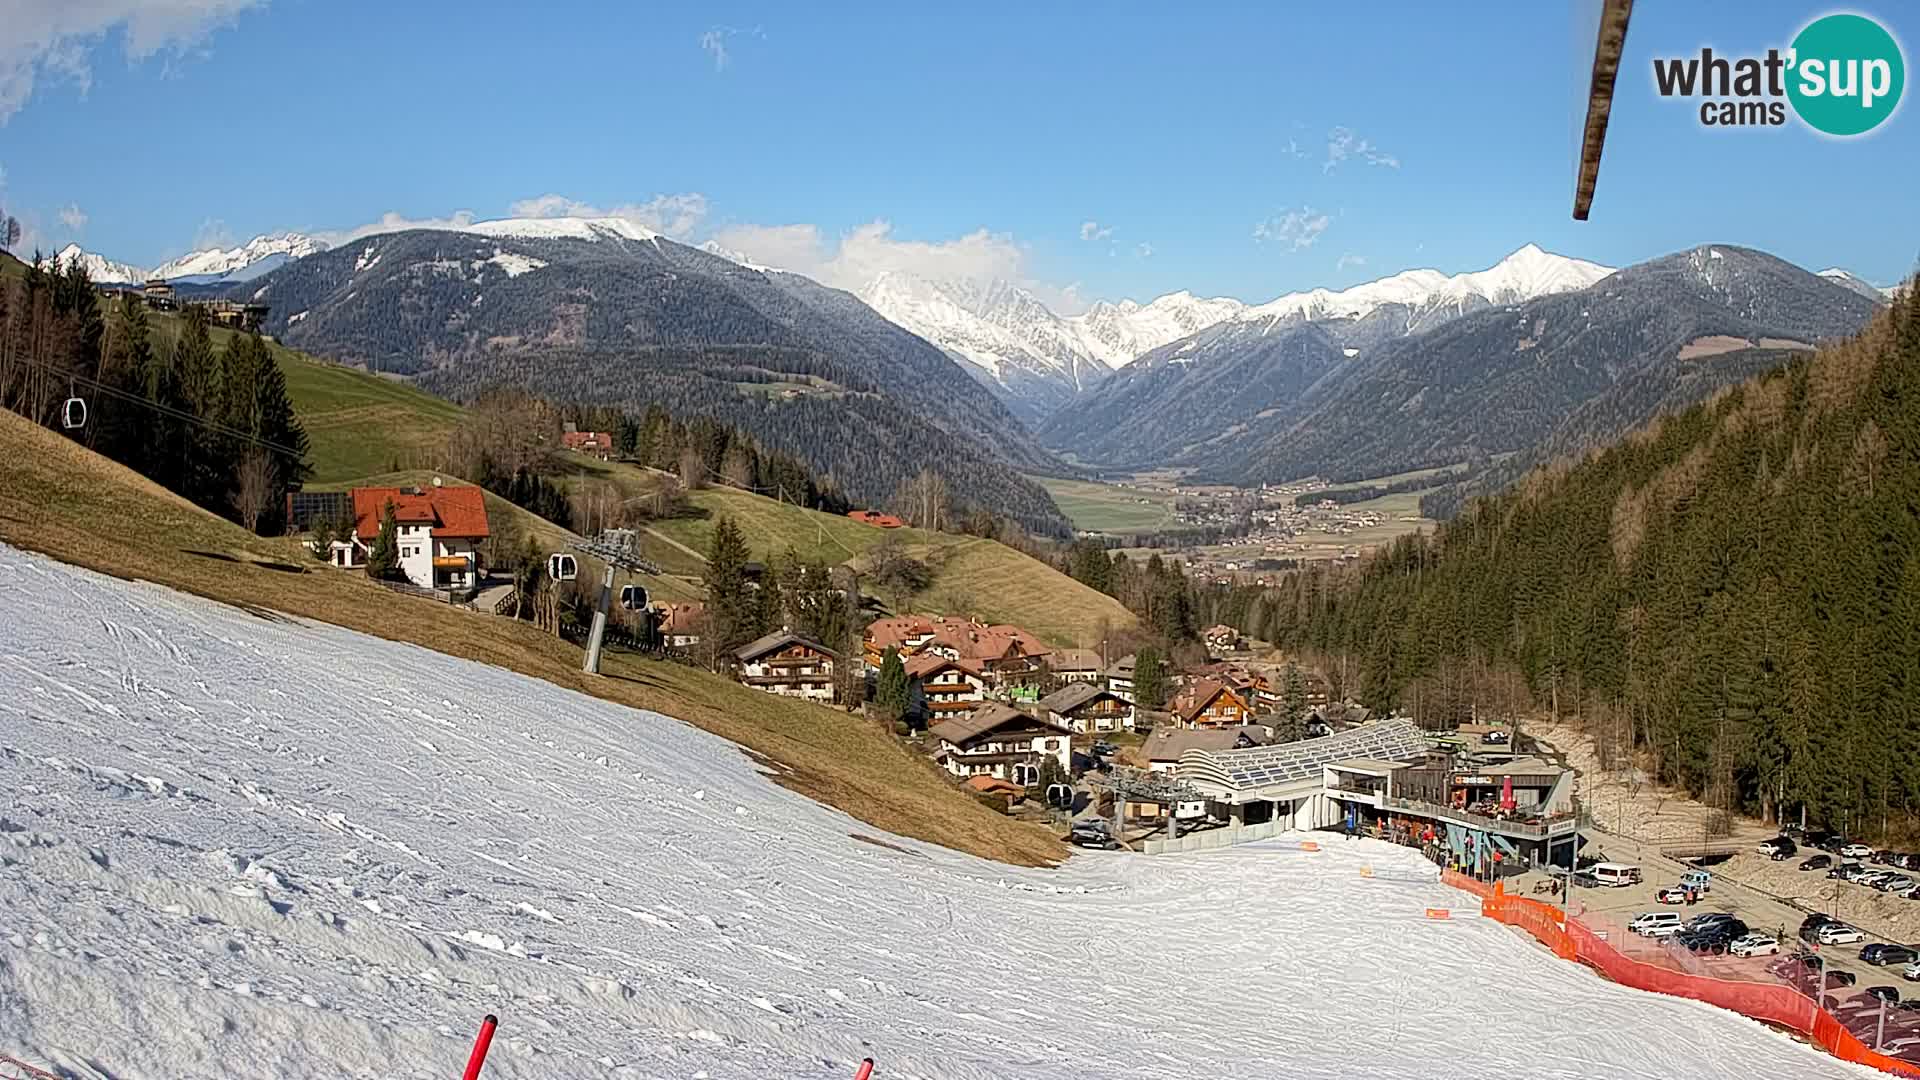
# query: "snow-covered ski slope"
(239, 846)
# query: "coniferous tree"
(1293, 703)
(1149, 679)
(729, 600)
(383, 556)
(892, 693)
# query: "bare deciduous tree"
(253, 486)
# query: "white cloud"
(1297, 230)
(53, 39)
(1343, 144)
(1350, 259)
(675, 215)
(715, 42)
(1093, 230)
(865, 252)
(1145, 251)
(392, 221)
(1293, 149)
(74, 218)
(212, 233)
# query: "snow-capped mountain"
(1430, 297)
(102, 270)
(1038, 359)
(250, 260)
(1119, 333)
(258, 256)
(1851, 280)
(1000, 333)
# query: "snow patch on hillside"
(243, 845)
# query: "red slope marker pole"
(480, 1044)
(866, 1070)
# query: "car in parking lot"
(1881, 954)
(1841, 977)
(1656, 923)
(1671, 894)
(1713, 937)
(1817, 862)
(1754, 945)
(1911, 972)
(1846, 871)
(1856, 851)
(1838, 933)
(1103, 748)
(1775, 846)
(1885, 993)
(1896, 883)
(1811, 925)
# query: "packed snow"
(513, 264)
(237, 844)
(563, 228)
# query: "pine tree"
(729, 603)
(891, 691)
(383, 557)
(1149, 679)
(1293, 703)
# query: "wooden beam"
(1606, 68)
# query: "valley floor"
(234, 843)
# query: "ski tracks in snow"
(250, 847)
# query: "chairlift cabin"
(74, 413)
(633, 597)
(562, 567)
(1060, 795)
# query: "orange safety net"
(1773, 1003)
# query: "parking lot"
(1609, 910)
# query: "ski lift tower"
(1138, 785)
(620, 550)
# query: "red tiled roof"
(1198, 697)
(454, 512)
(921, 665)
(988, 785)
(876, 519)
(574, 440)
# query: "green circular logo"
(1847, 74)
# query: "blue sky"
(1119, 150)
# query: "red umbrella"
(1506, 793)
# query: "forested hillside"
(618, 319)
(1733, 591)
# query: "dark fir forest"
(1733, 591)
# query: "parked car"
(1710, 918)
(1784, 854)
(1841, 977)
(1671, 894)
(1844, 871)
(1656, 923)
(1911, 972)
(1714, 937)
(1856, 851)
(1091, 834)
(1699, 881)
(1769, 847)
(1887, 955)
(1896, 883)
(1839, 933)
(1103, 748)
(1755, 945)
(1885, 993)
(1817, 862)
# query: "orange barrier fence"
(1773, 1003)
(1466, 884)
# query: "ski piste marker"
(480, 1044)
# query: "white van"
(1656, 924)
(1617, 875)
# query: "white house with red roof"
(438, 531)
